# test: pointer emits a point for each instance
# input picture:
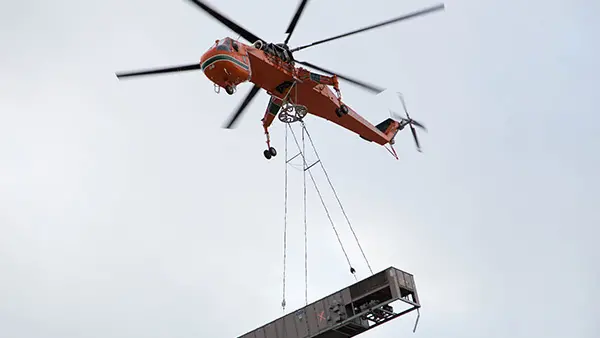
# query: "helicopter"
(294, 91)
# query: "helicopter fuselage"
(229, 63)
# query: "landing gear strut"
(342, 109)
(288, 114)
(271, 152)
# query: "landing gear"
(288, 114)
(229, 89)
(271, 152)
(341, 110)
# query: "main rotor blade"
(227, 22)
(295, 19)
(404, 17)
(243, 106)
(364, 85)
(153, 71)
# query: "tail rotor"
(404, 121)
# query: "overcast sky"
(126, 211)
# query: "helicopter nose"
(209, 53)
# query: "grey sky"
(126, 211)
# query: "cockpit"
(224, 45)
(227, 44)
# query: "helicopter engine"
(279, 50)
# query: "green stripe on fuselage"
(223, 57)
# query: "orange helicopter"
(294, 91)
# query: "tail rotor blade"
(410, 120)
(414, 133)
(396, 116)
(235, 116)
(411, 123)
(418, 124)
(401, 97)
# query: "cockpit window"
(224, 45)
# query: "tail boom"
(388, 128)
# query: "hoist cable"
(283, 302)
(285, 220)
(324, 206)
(305, 226)
(337, 198)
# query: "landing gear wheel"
(341, 110)
(267, 154)
(271, 152)
(229, 89)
